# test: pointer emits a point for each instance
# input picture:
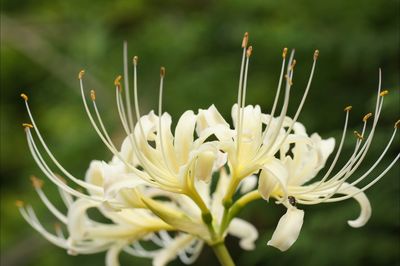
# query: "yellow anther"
(19, 203)
(245, 40)
(61, 178)
(348, 108)
(23, 96)
(384, 93)
(358, 135)
(27, 125)
(293, 64)
(36, 182)
(117, 82)
(93, 95)
(81, 74)
(135, 60)
(57, 226)
(397, 124)
(249, 51)
(284, 52)
(289, 80)
(366, 117)
(162, 72)
(316, 54)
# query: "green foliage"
(45, 43)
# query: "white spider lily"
(158, 187)
(301, 159)
(249, 146)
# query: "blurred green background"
(45, 43)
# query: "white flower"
(159, 186)
(301, 159)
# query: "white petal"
(362, 199)
(78, 220)
(273, 173)
(184, 135)
(288, 229)
(248, 184)
(247, 233)
(204, 165)
(94, 175)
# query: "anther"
(292, 200)
(358, 135)
(316, 54)
(284, 52)
(117, 82)
(27, 125)
(162, 72)
(249, 51)
(19, 203)
(366, 117)
(23, 96)
(397, 124)
(245, 40)
(384, 93)
(61, 178)
(36, 182)
(93, 95)
(348, 108)
(81, 74)
(293, 64)
(57, 226)
(135, 60)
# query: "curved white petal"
(362, 199)
(288, 229)
(248, 184)
(247, 233)
(184, 136)
(273, 173)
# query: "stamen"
(93, 95)
(284, 52)
(245, 40)
(27, 125)
(384, 93)
(316, 54)
(366, 117)
(81, 74)
(162, 72)
(36, 182)
(135, 60)
(117, 82)
(358, 135)
(348, 108)
(19, 203)
(23, 96)
(249, 51)
(397, 124)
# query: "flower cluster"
(165, 194)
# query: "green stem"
(230, 213)
(222, 254)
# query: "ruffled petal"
(247, 233)
(288, 229)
